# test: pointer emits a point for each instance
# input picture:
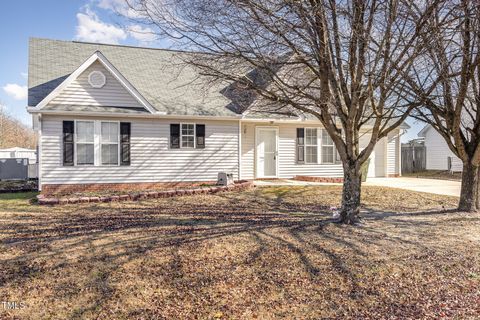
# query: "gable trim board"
(96, 56)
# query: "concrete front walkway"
(290, 182)
(442, 187)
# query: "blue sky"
(84, 20)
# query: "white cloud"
(16, 91)
(141, 34)
(119, 6)
(90, 28)
(24, 75)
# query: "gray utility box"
(14, 169)
(225, 179)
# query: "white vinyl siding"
(393, 165)
(151, 158)
(248, 150)
(438, 152)
(80, 92)
(287, 164)
(289, 168)
(379, 159)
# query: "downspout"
(239, 149)
(399, 149)
(39, 155)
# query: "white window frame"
(75, 155)
(310, 145)
(97, 143)
(194, 135)
(100, 162)
(324, 131)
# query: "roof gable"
(160, 76)
(97, 61)
(81, 93)
(422, 133)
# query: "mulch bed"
(51, 200)
(12, 186)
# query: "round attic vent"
(96, 79)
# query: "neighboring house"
(17, 152)
(438, 152)
(126, 117)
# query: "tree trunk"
(352, 183)
(478, 190)
(469, 191)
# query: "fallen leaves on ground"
(266, 253)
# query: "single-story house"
(111, 116)
(438, 153)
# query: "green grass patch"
(17, 200)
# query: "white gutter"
(162, 115)
(158, 115)
(39, 155)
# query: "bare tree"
(446, 80)
(339, 61)
(13, 133)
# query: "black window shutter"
(300, 145)
(174, 136)
(125, 133)
(200, 135)
(68, 141)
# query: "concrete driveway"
(443, 187)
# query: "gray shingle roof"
(159, 75)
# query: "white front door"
(267, 152)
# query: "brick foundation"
(60, 189)
(393, 175)
(319, 179)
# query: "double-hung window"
(328, 148)
(314, 145)
(187, 135)
(85, 142)
(109, 141)
(311, 145)
(96, 143)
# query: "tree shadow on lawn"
(161, 223)
(109, 236)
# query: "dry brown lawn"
(435, 174)
(266, 253)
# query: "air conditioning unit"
(225, 179)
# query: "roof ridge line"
(117, 45)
